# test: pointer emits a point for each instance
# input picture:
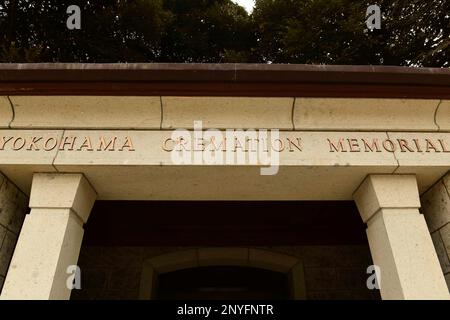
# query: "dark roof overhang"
(256, 80)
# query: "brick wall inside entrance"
(331, 272)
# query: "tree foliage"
(413, 32)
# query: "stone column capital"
(63, 191)
(386, 192)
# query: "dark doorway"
(222, 283)
(224, 223)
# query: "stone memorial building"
(224, 181)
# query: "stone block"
(2, 234)
(441, 251)
(443, 115)
(445, 235)
(6, 251)
(365, 114)
(6, 114)
(227, 112)
(106, 112)
(436, 206)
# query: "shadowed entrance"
(228, 250)
(226, 283)
(224, 223)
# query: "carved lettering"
(70, 141)
(292, 144)
(339, 148)
(110, 146)
(389, 146)
(4, 141)
(431, 146)
(371, 147)
(34, 141)
(18, 143)
(87, 144)
(341, 144)
(50, 144)
(354, 145)
(280, 145)
(404, 147)
(128, 144)
(443, 145)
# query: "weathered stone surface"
(440, 251)
(13, 206)
(6, 251)
(446, 181)
(447, 279)
(2, 234)
(445, 234)
(443, 115)
(431, 163)
(50, 239)
(365, 114)
(436, 206)
(29, 147)
(49, 243)
(342, 159)
(68, 191)
(6, 114)
(399, 239)
(12, 215)
(386, 191)
(401, 246)
(86, 112)
(227, 112)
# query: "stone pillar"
(436, 209)
(13, 207)
(51, 237)
(399, 240)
